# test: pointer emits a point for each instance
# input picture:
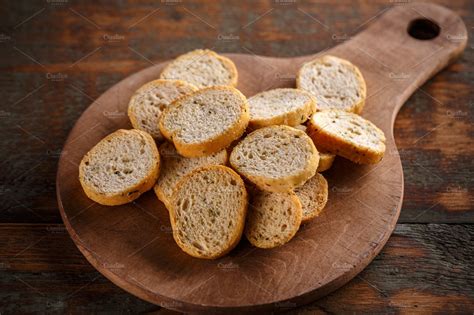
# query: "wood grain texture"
(74, 73)
(36, 118)
(344, 239)
(41, 267)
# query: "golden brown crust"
(228, 64)
(343, 146)
(240, 221)
(212, 145)
(355, 108)
(130, 110)
(363, 90)
(162, 196)
(287, 183)
(133, 192)
(293, 118)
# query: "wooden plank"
(37, 118)
(423, 268)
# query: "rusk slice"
(273, 218)
(208, 211)
(203, 68)
(205, 121)
(120, 167)
(325, 159)
(336, 83)
(313, 196)
(174, 166)
(348, 135)
(281, 107)
(276, 158)
(149, 101)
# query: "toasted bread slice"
(273, 218)
(202, 68)
(313, 196)
(276, 158)
(325, 161)
(336, 83)
(348, 135)
(281, 107)
(149, 101)
(208, 211)
(205, 121)
(174, 166)
(120, 167)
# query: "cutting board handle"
(401, 50)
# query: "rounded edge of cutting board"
(341, 276)
(363, 207)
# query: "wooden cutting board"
(132, 245)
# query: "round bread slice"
(208, 211)
(325, 161)
(273, 218)
(348, 135)
(313, 196)
(174, 166)
(119, 168)
(276, 158)
(281, 107)
(149, 101)
(202, 68)
(336, 83)
(205, 121)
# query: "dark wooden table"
(57, 56)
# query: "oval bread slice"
(205, 121)
(149, 101)
(348, 135)
(336, 83)
(276, 158)
(120, 167)
(174, 166)
(313, 196)
(273, 218)
(208, 211)
(202, 68)
(281, 107)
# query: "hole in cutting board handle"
(423, 29)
